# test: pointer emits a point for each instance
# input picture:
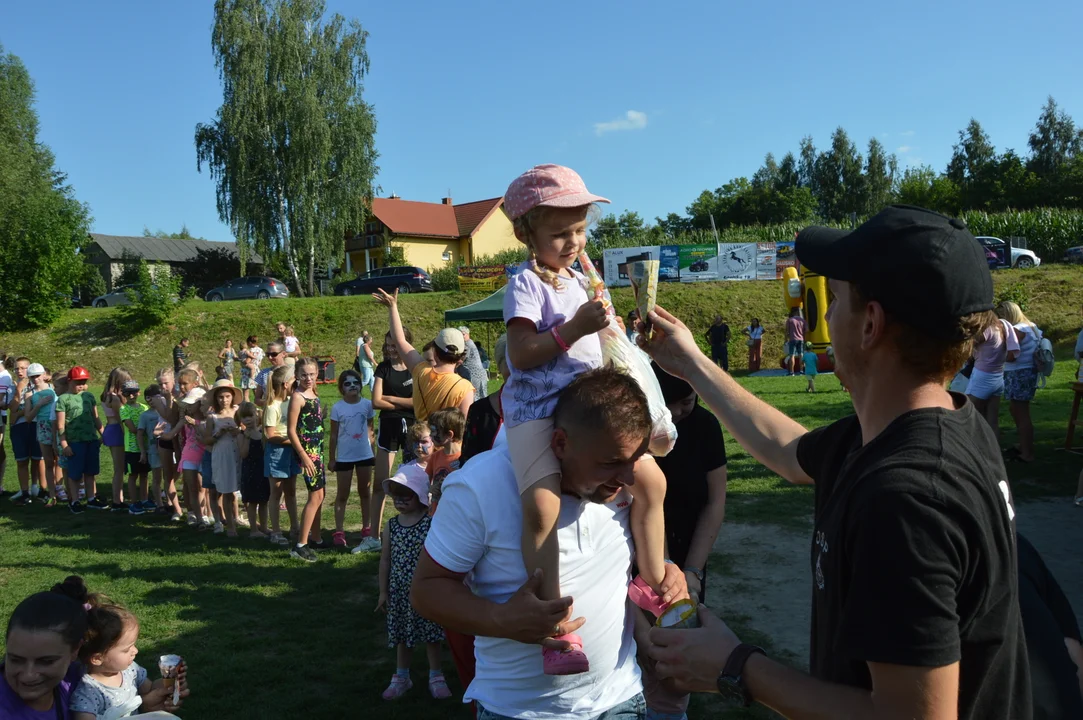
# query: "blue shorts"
(84, 460)
(205, 470)
(24, 442)
(280, 461)
(795, 347)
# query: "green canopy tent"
(489, 310)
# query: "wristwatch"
(697, 572)
(731, 684)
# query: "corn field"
(1048, 231)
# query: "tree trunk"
(311, 269)
(287, 246)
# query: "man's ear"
(559, 443)
(874, 325)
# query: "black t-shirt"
(913, 557)
(482, 425)
(699, 450)
(718, 334)
(396, 383)
(1048, 619)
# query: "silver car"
(119, 296)
(253, 287)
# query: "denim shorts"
(795, 347)
(280, 461)
(634, 708)
(84, 459)
(205, 470)
(24, 442)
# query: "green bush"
(152, 299)
(1018, 293)
(447, 278)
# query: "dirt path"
(760, 577)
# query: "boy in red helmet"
(79, 428)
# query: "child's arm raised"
(528, 348)
(409, 355)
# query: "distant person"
(478, 375)
(364, 361)
(795, 340)
(997, 345)
(291, 345)
(1021, 379)
(250, 357)
(812, 367)
(754, 332)
(718, 337)
(228, 355)
(277, 357)
(180, 355)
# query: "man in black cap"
(915, 610)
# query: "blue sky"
(651, 103)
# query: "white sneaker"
(241, 522)
(369, 544)
(177, 518)
(192, 519)
(218, 529)
(17, 496)
(208, 520)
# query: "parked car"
(406, 279)
(1073, 255)
(1001, 255)
(253, 287)
(119, 296)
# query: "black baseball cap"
(924, 268)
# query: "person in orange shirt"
(446, 428)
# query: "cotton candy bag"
(619, 351)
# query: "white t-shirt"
(290, 343)
(478, 529)
(7, 389)
(755, 333)
(1029, 336)
(353, 430)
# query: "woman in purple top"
(997, 345)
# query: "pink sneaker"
(438, 687)
(398, 687)
(338, 538)
(568, 662)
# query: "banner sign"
(737, 261)
(785, 257)
(616, 263)
(698, 263)
(766, 257)
(482, 277)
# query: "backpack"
(1044, 361)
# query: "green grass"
(269, 637)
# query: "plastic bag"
(619, 351)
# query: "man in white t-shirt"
(7, 393)
(602, 426)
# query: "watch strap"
(735, 665)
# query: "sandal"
(567, 662)
(644, 596)
(438, 687)
(338, 538)
(398, 687)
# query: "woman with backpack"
(1021, 379)
(997, 345)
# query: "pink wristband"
(560, 341)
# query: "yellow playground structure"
(808, 291)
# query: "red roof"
(408, 217)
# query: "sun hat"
(548, 186)
(35, 369)
(413, 477)
(219, 386)
(194, 395)
(451, 340)
(78, 373)
(925, 269)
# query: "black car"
(405, 279)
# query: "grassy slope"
(305, 637)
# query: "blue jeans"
(634, 708)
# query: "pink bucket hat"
(549, 186)
(412, 477)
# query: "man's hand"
(386, 299)
(693, 658)
(695, 587)
(674, 585)
(526, 618)
(670, 344)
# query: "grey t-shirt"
(90, 696)
(478, 376)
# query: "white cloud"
(632, 120)
(907, 133)
(903, 149)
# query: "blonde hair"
(527, 223)
(164, 372)
(1011, 312)
(279, 378)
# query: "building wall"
(495, 235)
(357, 260)
(428, 253)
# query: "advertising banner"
(784, 257)
(698, 263)
(482, 277)
(766, 257)
(617, 260)
(737, 261)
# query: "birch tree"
(292, 147)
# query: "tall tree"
(767, 176)
(806, 164)
(292, 147)
(880, 171)
(922, 186)
(838, 180)
(788, 173)
(42, 225)
(1053, 141)
(971, 166)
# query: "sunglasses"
(273, 355)
(131, 392)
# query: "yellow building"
(432, 235)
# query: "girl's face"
(405, 500)
(40, 381)
(121, 655)
(281, 328)
(306, 377)
(166, 383)
(249, 421)
(680, 409)
(559, 236)
(229, 343)
(423, 448)
(35, 663)
(351, 387)
(225, 399)
(390, 351)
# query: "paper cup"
(169, 665)
(681, 615)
